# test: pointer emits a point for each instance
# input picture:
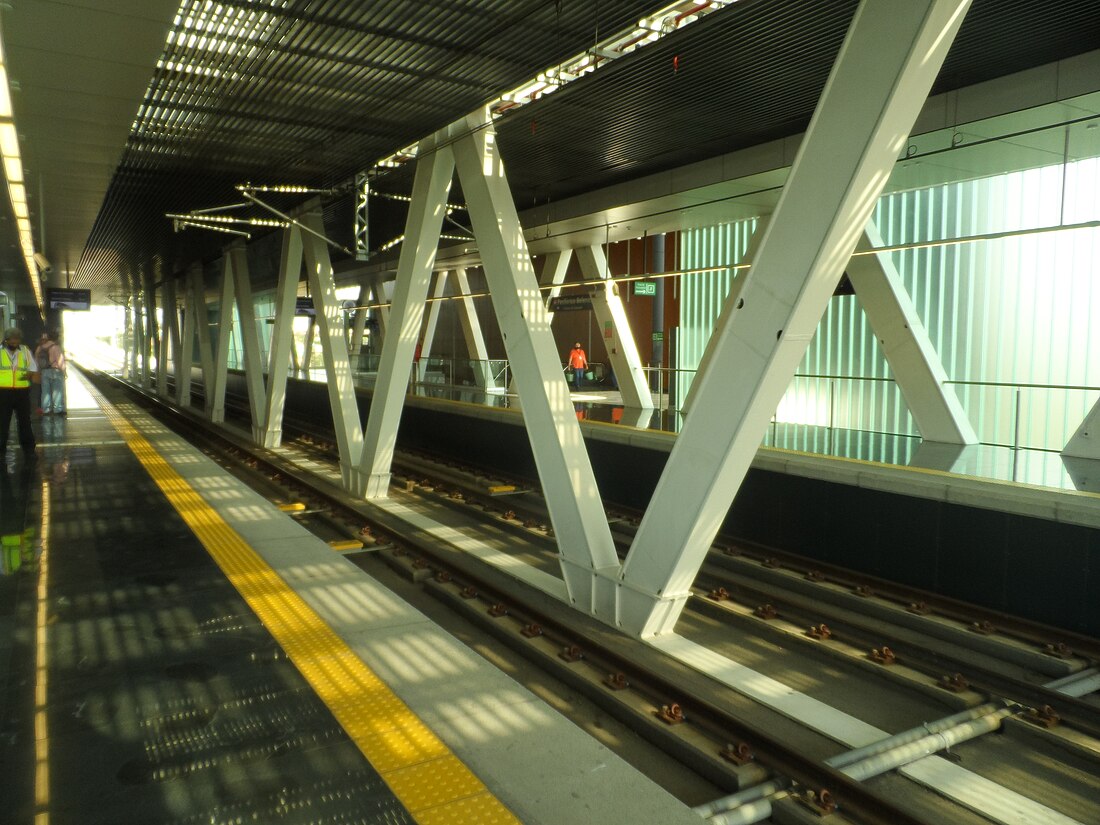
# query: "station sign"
(303, 307)
(645, 288)
(57, 298)
(658, 336)
(570, 303)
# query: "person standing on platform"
(18, 370)
(51, 364)
(578, 362)
(42, 358)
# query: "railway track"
(676, 707)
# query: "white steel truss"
(381, 311)
(586, 549)
(359, 319)
(151, 349)
(186, 351)
(881, 78)
(237, 269)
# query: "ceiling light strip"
(649, 30)
(13, 175)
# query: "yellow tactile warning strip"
(429, 780)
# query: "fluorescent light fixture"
(18, 192)
(13, 170)
(9, 140)
(5, 93)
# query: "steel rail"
(853, 797)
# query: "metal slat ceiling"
(749, 74)
(308, 92)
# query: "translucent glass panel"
(703, 293)
(1011, 315)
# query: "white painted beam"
(586, 550)
(382, 308)
(152, 338)
(434, 170)
(196, 306)
(307, 346)
(359, 319)
(329, 322)
(282, 336)
(471, 332)
(250, 339)
(169, 334)
(917, 368)
(224, 338)
(1085, 441)
(881, 77)
(555, 266)
(622, 351)
(431, 323)
(185, 355)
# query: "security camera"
(44, 265)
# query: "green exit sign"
(645, 288)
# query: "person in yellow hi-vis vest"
(18, 370)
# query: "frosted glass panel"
(1012, 318)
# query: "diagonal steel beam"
(434, 170)
(282, 336)
(586, 550)
(622, 351)
(917, 368)
(878, 84)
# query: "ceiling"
(744, 76)
(79, 69)
(122, 121)
(275, 91)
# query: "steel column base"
(646, 615)
(353, 480)
(592, 590)
(376, 485)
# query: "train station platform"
(176, 649)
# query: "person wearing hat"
(578, 362)
(18, 370)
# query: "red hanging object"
(676, 64)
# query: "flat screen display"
(80, 299)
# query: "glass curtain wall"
(1012, 316)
